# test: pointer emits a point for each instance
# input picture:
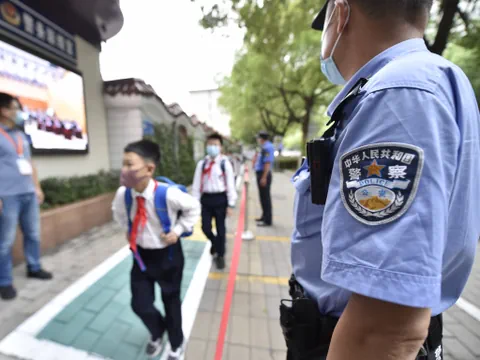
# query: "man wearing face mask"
(20, 196)
(385, 229)
(214, 186)
(263, 168)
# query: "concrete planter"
(64, 223)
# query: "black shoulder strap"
(338, 114)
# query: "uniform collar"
(376, 64)
(148, 192)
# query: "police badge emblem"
(379, 181)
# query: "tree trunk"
(309, 102)
(444, 27)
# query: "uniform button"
(295, 178)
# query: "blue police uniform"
(267, 155)
(400, 220)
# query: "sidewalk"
(84, 312)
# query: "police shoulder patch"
(379, 181)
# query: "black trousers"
(215, 206)
(164, 267)
(265, 198)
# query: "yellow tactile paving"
(252, 278)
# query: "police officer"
(387, 202)
(263, 167)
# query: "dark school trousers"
(214, 205)
(164, 267)
(265, 197)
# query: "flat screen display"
(52, 97)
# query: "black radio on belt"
(319, 154)
(320, 151)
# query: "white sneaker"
(154, 348)
(178, 353)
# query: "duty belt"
(308, 333)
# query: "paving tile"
(259, 333)
(241, 304)
(202, 325)
(276, 336)
(108, 344)
(237, 352)
(457, 350)
(106, 317)
(99, 301)
(86, 340)
(196, 350)
(208, 300)
(126, 352)
(239, 330)
(258, 306)
(467, 338)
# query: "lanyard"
(17, 145)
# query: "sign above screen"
(20, 20)
(52, 98)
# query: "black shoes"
(213, 251)
(8, 292)
(220, 262)
(260, 219)
(39, 275)
(264, 224)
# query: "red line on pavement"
(237, 246)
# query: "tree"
(276, 83)
(447, 16)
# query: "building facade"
(49, 58)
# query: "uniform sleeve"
(197, 178)
(268, 154)
(119, 210)
(177, 200)
(230, 177)
(386, 215)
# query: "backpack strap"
(222, 166)
(201, 174)
(128, 206)
(161, 207)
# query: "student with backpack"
(156, 216)
(214, 186)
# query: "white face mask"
(328, 66)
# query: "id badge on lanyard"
(24, 166)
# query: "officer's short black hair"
(216, 136)
(6, 100)
(146, 149)
(263, 135)
(410, 10)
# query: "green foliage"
(276, 83)
(62, 191)
(177, 167)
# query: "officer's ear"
(342, 14)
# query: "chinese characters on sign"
(20, 19)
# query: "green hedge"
(177, 167)
(62, 191)
(287, 163)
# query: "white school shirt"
(177, 200)
(215, 183)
